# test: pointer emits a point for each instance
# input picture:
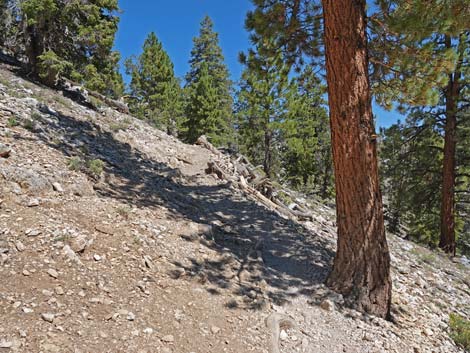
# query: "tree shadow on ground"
(279, 258)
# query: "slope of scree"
(151, 254)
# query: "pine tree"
(361, 270)
(72, 39)
(411, 155)
(305, 135)
(204, 115)
(207, 55)
(262, 105)
(422, 53)
(155, 90)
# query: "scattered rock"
(33, 203)
(4, 151)
(215, 330)
(32, 232)
(4, 247)
(79, 243)
(130, 316)
(327, 305)
(20, 246)
(148, 330)
(57, 187)
(105, 229)
(168, 338)
(6, 344)
(53, 273)
(48, 317)
(283, 335)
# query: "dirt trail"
(155, 255)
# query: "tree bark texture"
(447, 238)
(361, 270)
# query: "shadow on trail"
(280, 259)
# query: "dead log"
(202, 141)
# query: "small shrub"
(460, 330)
(95, 167)
(62, 101)
(51, 67)
(116, 127)
(28, 124)
(12, 122)
(75, 163)
(36, 116)
(124, 211)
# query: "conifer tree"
(411, 155)
(155, 90)
(422, 58)
(305, 134)
(204, 116)
(207, 55)
(72, 39)
(361, 270)
(262, 105)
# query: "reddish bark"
(361, 270)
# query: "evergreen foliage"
(156, 92)
(208, 89)
(8, 24)
(69, 38)
(421, 59)
(295, 25)
(262, 105)
(411, 165)
(306, 138)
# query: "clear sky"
(176, 22)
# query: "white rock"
(6, 344)
(48, 317)
(57, 187)
(168, 338)
(33, 203)
(20, 246)
(53, 273)
(283, 335)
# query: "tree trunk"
(361, 270)
(447, 239)
(326, 176)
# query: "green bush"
(95, 167)
(52, 67)
(75, 163)
(460, 330)
(28, 124)
(12, 122)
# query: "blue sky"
(176, 22)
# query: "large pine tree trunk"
(452, 93)
(361, 270)
(447, 239)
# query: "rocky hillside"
(114, 239)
